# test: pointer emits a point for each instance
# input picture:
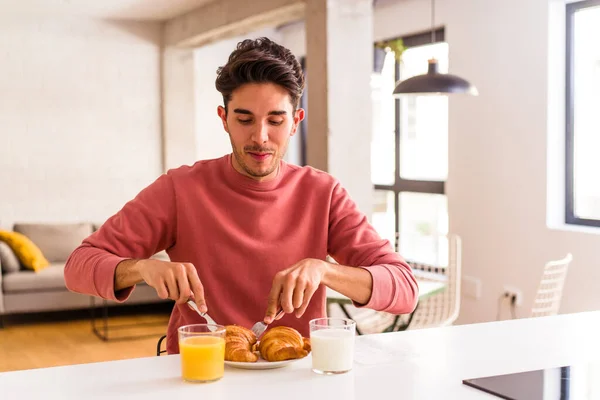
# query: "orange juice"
(202, 358)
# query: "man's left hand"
(294, 287)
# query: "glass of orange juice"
(202, 351)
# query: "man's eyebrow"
(278, 112)
(248, 112)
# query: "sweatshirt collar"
(238, 179)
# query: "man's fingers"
(308, 294)
(298, 296)
(183, 285)
(289, 283)
(196, 287)
(171, 283)
(273, 302)
(161, 290)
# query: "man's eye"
(276, 123)
(244, 121)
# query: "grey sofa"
(25, 291)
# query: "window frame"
(304, 122)
(570, 217)
(409, 185)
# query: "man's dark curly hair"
(260, 61)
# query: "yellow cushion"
(26, 251)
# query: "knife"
(207, 317)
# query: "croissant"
(240, 344)
(283, 343)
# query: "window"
(582, 117)
(409, 153)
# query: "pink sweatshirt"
(239, 233)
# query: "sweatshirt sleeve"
(142, 228)
(354, 242)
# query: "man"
(246, 233)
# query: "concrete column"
(179, 114)
(339, 47)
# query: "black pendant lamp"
(434, 82)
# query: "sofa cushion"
(51, 278)
(56, 241)
(27, 252)
(8, 260)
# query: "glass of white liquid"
(332, 345)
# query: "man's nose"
(261, 134)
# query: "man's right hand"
(171, 280)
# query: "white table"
(420, 364)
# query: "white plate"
(260, 364)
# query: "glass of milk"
(332, 345)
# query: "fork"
(259, 328)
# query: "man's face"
(260, 120)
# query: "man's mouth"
(259, 156)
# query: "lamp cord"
(432, 21)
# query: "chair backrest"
(159, 351)
(440, 309)
(549, 294)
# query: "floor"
(62, 339)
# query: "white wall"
(211, 140)
(497, 184)
(498, 141)
(179, 108)
(79, 117)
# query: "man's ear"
(222, 113)
(298, 117)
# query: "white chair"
(549, 294)
(440, 309)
